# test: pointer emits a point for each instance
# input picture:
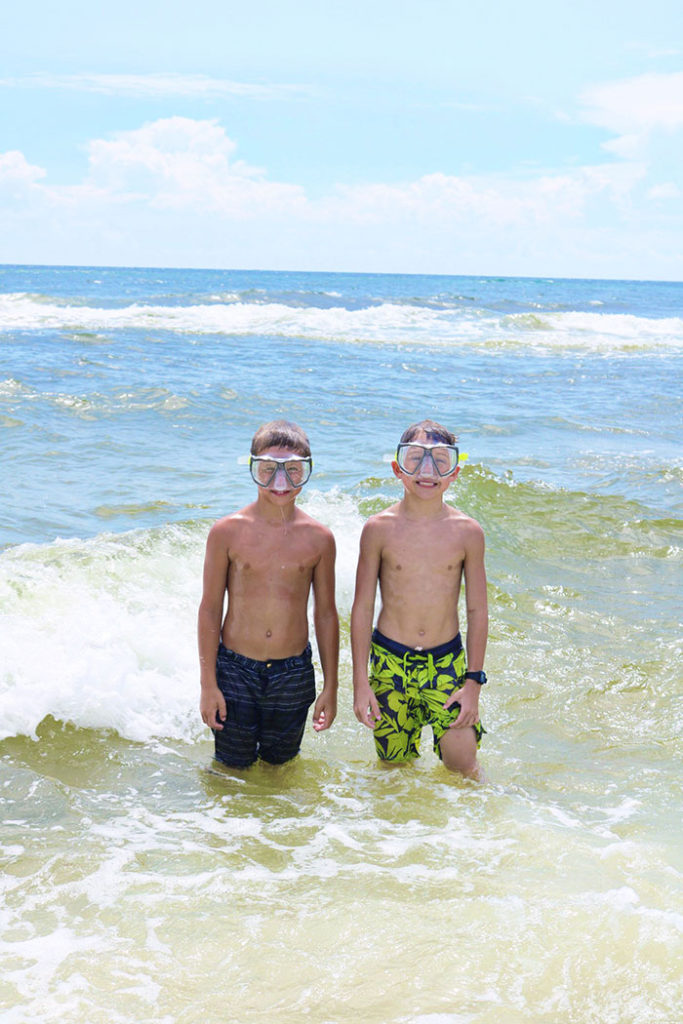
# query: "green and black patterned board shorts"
(411, 687)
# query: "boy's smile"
(427, 487)
(425, 484)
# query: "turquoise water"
(140, 885)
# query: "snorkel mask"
(265, 468)
(443, 458)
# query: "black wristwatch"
(479, 677)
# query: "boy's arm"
(326, 623)
(365, 704)
(212, 703)
(477, 627)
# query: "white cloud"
(154, 86)
(634, 108)
(667, 190)
(493, 203)
(17, 172)
(182, 163)
(173, 192)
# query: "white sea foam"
(101, 632)
(339, 512)
(600, 330)
(388, 322)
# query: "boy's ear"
(396, 468)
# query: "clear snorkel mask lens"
(296, 468)
(442, 457)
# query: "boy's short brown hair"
(281, 434)
(433, 430)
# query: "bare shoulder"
(382, 523)
(465, 525)
(229, 527)
(315, 530)
(375, 535)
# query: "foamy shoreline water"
(388, 323)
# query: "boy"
(257, 679)
(420, 549)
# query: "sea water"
(139, 883)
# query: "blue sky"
(433, 136)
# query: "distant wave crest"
(385, 323)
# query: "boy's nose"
(427, 467)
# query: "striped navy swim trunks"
(267, 706)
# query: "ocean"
(141, 885)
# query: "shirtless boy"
(420, 549)
(257, 678)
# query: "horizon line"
(366, 273)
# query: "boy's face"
(427, 473)
(280, 474)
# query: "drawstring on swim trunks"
(415, 657)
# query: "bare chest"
(266, 558)
(419, 554)
(431, 574)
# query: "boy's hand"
(365, 706)
(468, 699)
(325, 711)
(212, 708)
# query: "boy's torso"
(420, 573)
(270, 571)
